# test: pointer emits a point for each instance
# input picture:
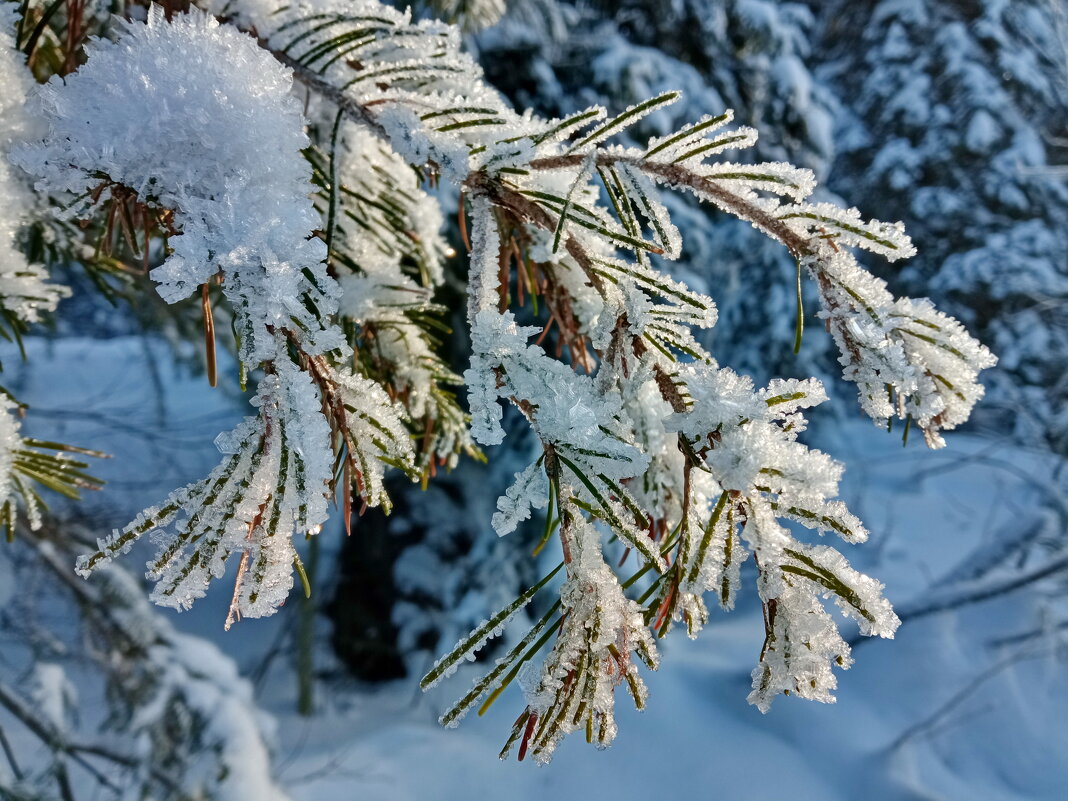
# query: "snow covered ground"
(968, 703)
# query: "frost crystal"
(529, 491)
(24, 293)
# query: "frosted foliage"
(565, 408)
(24, 291)
(529, 491)
(746, 441)
(908, 359)
(10, 441)
(271, 484)
(644, 436)
(718, 398)
(382, 188)
(670, 453)
(250, 219)
(796, 581)
(388, 255)
(602, 631)
(375, 433)
(802, 644)
(804, 670)
(665, 234)
(23, 461)
(750, 437)
(219, 144)
(408, 72)
(479, 131)
(15, 124)
(483, 284)
(849, 228)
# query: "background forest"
(950, 115)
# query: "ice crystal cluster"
(221, 149)
(328, 252)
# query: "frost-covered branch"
(909, 360)
(24, 289)
(250, 225)
(644, 436)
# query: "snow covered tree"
(954, 118)
(284, 165)
(180, 721)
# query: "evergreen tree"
(956, 120)
(310, 229)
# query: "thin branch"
(973, 592)
(9, 753)
(676, 176)
(962, 695)
(353, 110)
(54, 739)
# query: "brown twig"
(209, 335)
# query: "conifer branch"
(644, 436)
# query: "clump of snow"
(217, 140)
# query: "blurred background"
(950, 115)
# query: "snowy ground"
(964, 704)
